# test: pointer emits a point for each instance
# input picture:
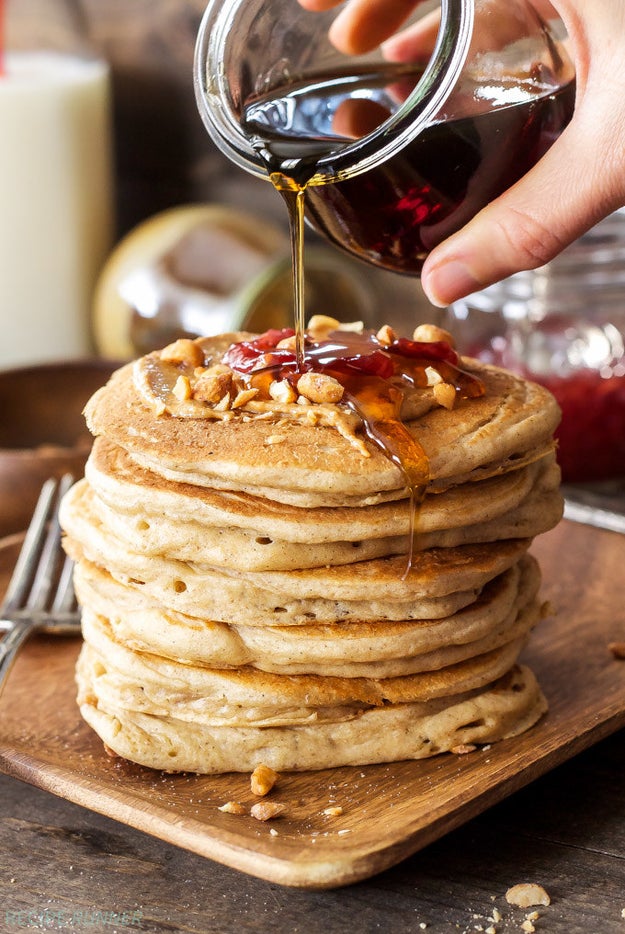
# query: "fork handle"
(10, 645)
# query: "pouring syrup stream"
(294, 198)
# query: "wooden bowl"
(42, 430)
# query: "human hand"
(579, 181)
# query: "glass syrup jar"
(393, 158)
(56, 180)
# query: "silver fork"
(40, 596)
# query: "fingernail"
(447, 282)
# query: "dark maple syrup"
(393, 215)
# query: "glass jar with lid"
(56, 180)
(394, 156)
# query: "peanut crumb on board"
(463, 749)
(267, 810)
(526, 895)
(232, 807)
(334, 811)
(617, 649)
(263, 780)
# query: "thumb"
(567, 192)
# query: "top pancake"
(314, 464)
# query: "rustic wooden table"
(65, 868)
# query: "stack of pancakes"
(245, 585)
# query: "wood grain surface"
(389, 811)
(565, 830)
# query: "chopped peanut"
(445, 395)
(433, 376)
(320, 326)
(224, 404)
(282, 391)
(243, 397)
(262, 780)
(526, 895)
(232, 807)
(267, 810)
(463, 749)
(183, 350)
(182, 389)
(386, 335)
(335, 811)
(617, 649)
(320, 388)
(431, 333)
(211, 387)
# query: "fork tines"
(41, 585)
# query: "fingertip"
(318, 6)
(446, 280)
(351, 41)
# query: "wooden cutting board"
(388, 811)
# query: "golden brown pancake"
(505, 708)
(506, 607)
(314, 464)
(251, 589)
(137, 511)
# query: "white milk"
(56, 203)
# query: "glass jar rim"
(367, 152)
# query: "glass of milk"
(56, 191)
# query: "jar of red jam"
(563, 325)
